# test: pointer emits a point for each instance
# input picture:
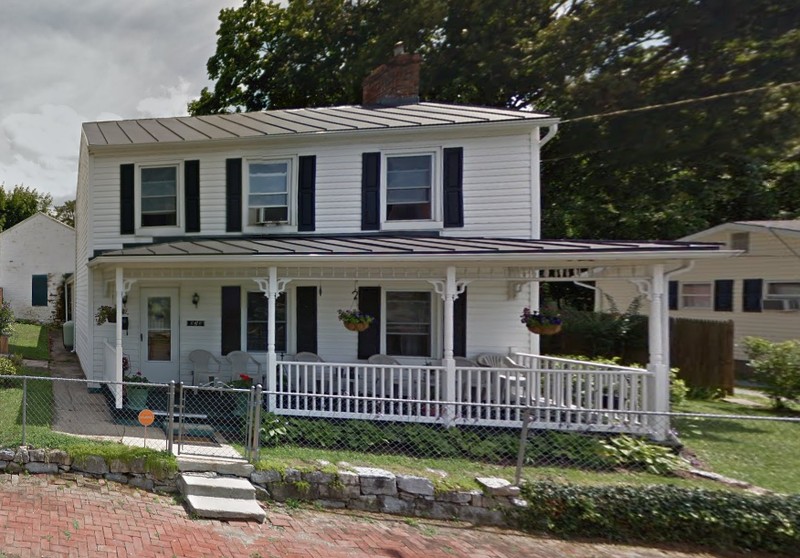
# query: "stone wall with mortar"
(356, 488)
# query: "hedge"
(663, 513)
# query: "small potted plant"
(106, 314)
(355, 320)
(135, 390)
(541, 322)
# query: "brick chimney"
(394, 83)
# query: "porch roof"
(318, 248)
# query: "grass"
(766, 454)
(30, 341)
(39, 434)
(459, 473)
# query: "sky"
(64, 62)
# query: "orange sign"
(146, 417)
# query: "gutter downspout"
(536, 211)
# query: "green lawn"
(763, 453)
(30, 341)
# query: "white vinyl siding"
(771, 259)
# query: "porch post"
(657, 364)
(272, 359)
(450, 294)
(119, 288)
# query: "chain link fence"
(226, 422)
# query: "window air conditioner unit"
(784, 304)
(266, 216)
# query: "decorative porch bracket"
(272, 287)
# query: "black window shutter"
(673, 295)
(126, 200)
(231, 319)
(453, 176)
(370, 192)
(306, 311)
(369, 340)
(723, 295)
(233, 195)
(39, 290)
(191, 188)
(306, 196)
(752, 291)
(460, 325)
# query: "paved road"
(53, 516)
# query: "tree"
(66, 212)
(677, 114)
(20, 203)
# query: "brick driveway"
(54, 516)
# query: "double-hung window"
(159, 196)
(696, 295)
(410, 185)
(258, 322)
(408, 323)
(269, 194)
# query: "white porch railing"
(110, 372)
(562, 394)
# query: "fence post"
(171, 416)
(523, 442)
(24, 407)
(258, 400)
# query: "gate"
(217, 421)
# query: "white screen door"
(160, 334)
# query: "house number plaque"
(195, 323)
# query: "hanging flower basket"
(541, 323)
(542, 329)
(355, 320)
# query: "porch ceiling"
(364, 250)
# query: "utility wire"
(681, 102)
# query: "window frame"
(437, 219)
(435, 320)
(145, 230)
(682, 294)
(249, 224)
(768, 284)
(288, 321)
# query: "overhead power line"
(681, 102)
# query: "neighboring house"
(759, 289)
(249, 231)
(35, 255)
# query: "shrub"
(678, 390)
(663, 513)
(6, 319)
(638, 454)
(8, 367)
(776, 365)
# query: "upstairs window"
(159, 196)
(408, 323)
(696, 295)
(258, 322)
(268, 199)
(740, 241)
(409, 187)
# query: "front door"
(160, 335)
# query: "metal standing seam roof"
(295, 122)
(401, 246)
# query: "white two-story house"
(247, 232)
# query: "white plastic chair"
(202, 374)
(239, 362)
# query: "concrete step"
(239, 468)
(225, 508)
(216, 487)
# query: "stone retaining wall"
(357, 488)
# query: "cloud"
(172, 101)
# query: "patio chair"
(239, 362)
(202, 374)
(505, 386)
(495, 360)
